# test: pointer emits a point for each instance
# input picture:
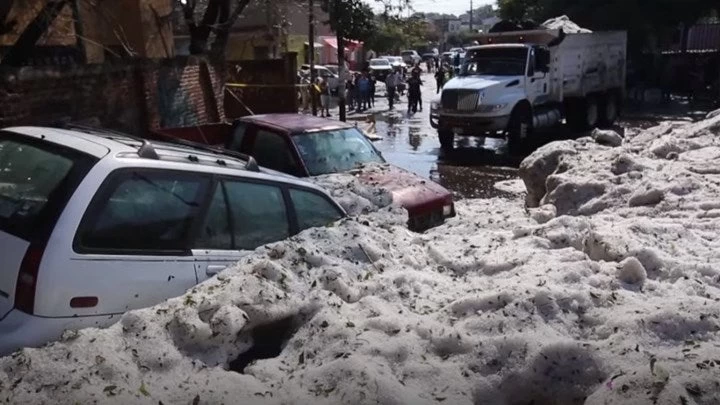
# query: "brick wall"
(131, 96)
(256, 98)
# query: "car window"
(238, 135)
(216, 230)
(143, 211)
(258, 214)
(313, 209)
(33, 178)
(273, 151)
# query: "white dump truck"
(515, 82)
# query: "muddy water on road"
(469, 171)
(476, 163)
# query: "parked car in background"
(335, 69)
(93, 224)
(447, 57)
(303, 145)
(396, 62)
(428, 56)
(320, 71)
(411, 58)
(380, 68)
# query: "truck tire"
(447, 139)
(583, 114)
(519, 129)
(609, 111)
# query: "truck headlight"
(491, 108)
(481, 97)
(434, 105)
(447, 209)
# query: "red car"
(304, 145)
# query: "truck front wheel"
(519, 129)
(447, 139)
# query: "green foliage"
(648, 22)
(393, 34)
(609, 14)
(459, 39)
(353, 19)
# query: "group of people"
(360, 89)
(395, 80)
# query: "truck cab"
(517, 82)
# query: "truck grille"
(460, 100)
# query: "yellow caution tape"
(243, 85)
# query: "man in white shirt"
(391, 82)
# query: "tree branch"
(25, 44)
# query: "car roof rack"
(250, 165)
(148, 151)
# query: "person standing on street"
(364, 88)
(324, 97)
(414, 92)
(352, 93)
(391, 82)
(373, 82)
(439, 79)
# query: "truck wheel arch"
(522, 104)
(516, 140)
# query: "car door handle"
(214, 269)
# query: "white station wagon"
(94, 223)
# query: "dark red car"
(305, 145)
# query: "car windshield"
(335, 151)
(379, 62)
(495, 62)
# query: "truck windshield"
(495, 62)
(335, 151)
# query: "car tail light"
(448, 207)
(27, 279)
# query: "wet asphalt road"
(476, 163)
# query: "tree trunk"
(222, 34)
(23, 47)
(341, 73)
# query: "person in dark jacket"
(440, 79)
(414, 92)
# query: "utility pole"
(471, 15)
(311, 55)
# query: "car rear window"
(36, 180)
